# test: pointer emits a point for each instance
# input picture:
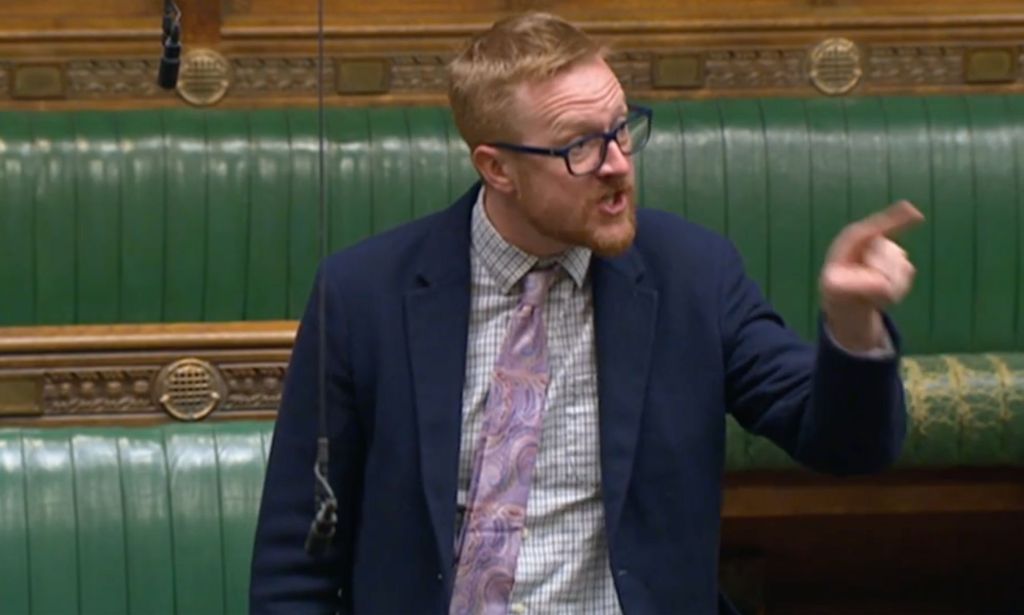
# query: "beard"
(586, 225)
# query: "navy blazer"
(682, 335)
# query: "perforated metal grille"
(205, 77)
(835, 66)
(189, 389)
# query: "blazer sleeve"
(831, 411)
(286, 579)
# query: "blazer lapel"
(625, 312)
(437, 325)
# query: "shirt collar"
(507, 264)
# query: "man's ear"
(493, 168)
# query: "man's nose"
(615, 162)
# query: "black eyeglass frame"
(634, 111)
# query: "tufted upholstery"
(965, 410)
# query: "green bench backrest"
(162, 216)
(130, 520)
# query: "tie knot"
(536, 284)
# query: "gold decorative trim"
(677, 71)
(19, 396)
(835, 66)
(990, 65)
(119, 373)
(144, 337)
(38, 81)
(291, 76)
(97, 391)
(253, 387)
(114, 79)
(363, 76)
(418, 73)
(633, 70)
(755, 69)
(189, 389)
(112, 393)
(205, 77)
(895, 66)
(93, 392)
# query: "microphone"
(321, 530)
(170, 61)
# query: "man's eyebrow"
(583, 126)
(575, 125)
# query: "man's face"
(597, 211)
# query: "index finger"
(894, 219)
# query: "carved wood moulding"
(148, 373)
(846, 67)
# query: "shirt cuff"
(885, 350)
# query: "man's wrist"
(856, 329)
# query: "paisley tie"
(504, 459)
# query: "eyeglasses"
(586, 155)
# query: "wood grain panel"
(109, 50)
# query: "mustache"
(618, 185)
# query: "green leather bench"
(192, 216)
(169, 216)
(129, 520)
(211, 216)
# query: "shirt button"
(526, 533)
(518, 608)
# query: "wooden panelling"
(416, 14)
(72, 14)
(878, 564)
(109, 51)
(118, 374)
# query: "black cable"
(325, 521)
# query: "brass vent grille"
(189, 389)
(835, 66)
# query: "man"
(615, 339)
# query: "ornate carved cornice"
(124, 373)
(109, 79)
(853, 66)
